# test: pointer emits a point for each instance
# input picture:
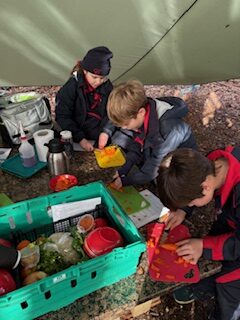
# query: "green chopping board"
(129, 199)
(4, 200)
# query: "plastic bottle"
(66, 138)
(26, 150)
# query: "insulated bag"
(31, 108)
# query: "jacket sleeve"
(106, 92)
(65, 106)
(149, 170)
(180, 109)
(133, 158)
(9, 257)
(109, 128)
(225, 246)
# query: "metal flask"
(58, 160)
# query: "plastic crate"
(65, 287)
(63, 225)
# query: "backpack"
(31, 108)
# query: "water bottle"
(26, 150)
(66, 138)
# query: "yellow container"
(109, 157)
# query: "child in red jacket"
(187, 178)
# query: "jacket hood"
(233, 175)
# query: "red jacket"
(226, 245)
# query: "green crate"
(65, 287)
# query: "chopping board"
(129, 199)
(164, 263)
(4, 200)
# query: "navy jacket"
(72, 104)
(166, 132)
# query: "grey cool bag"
(31, 108)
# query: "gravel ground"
(214, 115)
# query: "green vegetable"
(50, 261)
(77, 244)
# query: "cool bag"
(31, 108)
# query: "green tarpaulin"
(155, 41)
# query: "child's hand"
(190, 249)
(102, 140)
(86, 145)
(175, 218)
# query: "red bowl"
(100, 222)
(102, 240)
(62, 182)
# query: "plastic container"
(102, 240)
(26, 150)
(66, 138)
(85, 223)
(100, 222)
(109, 157)
(30, 256)
(60, 289)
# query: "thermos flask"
(58, 160)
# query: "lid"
(55, 146)
(66, 134)
(23, 135)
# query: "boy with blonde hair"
(147, 129)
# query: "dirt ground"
(214, 115)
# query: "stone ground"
(214, 115)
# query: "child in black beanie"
(81, 102)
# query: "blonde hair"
(125, 101)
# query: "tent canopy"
(155, 41)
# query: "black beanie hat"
(97, 61)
